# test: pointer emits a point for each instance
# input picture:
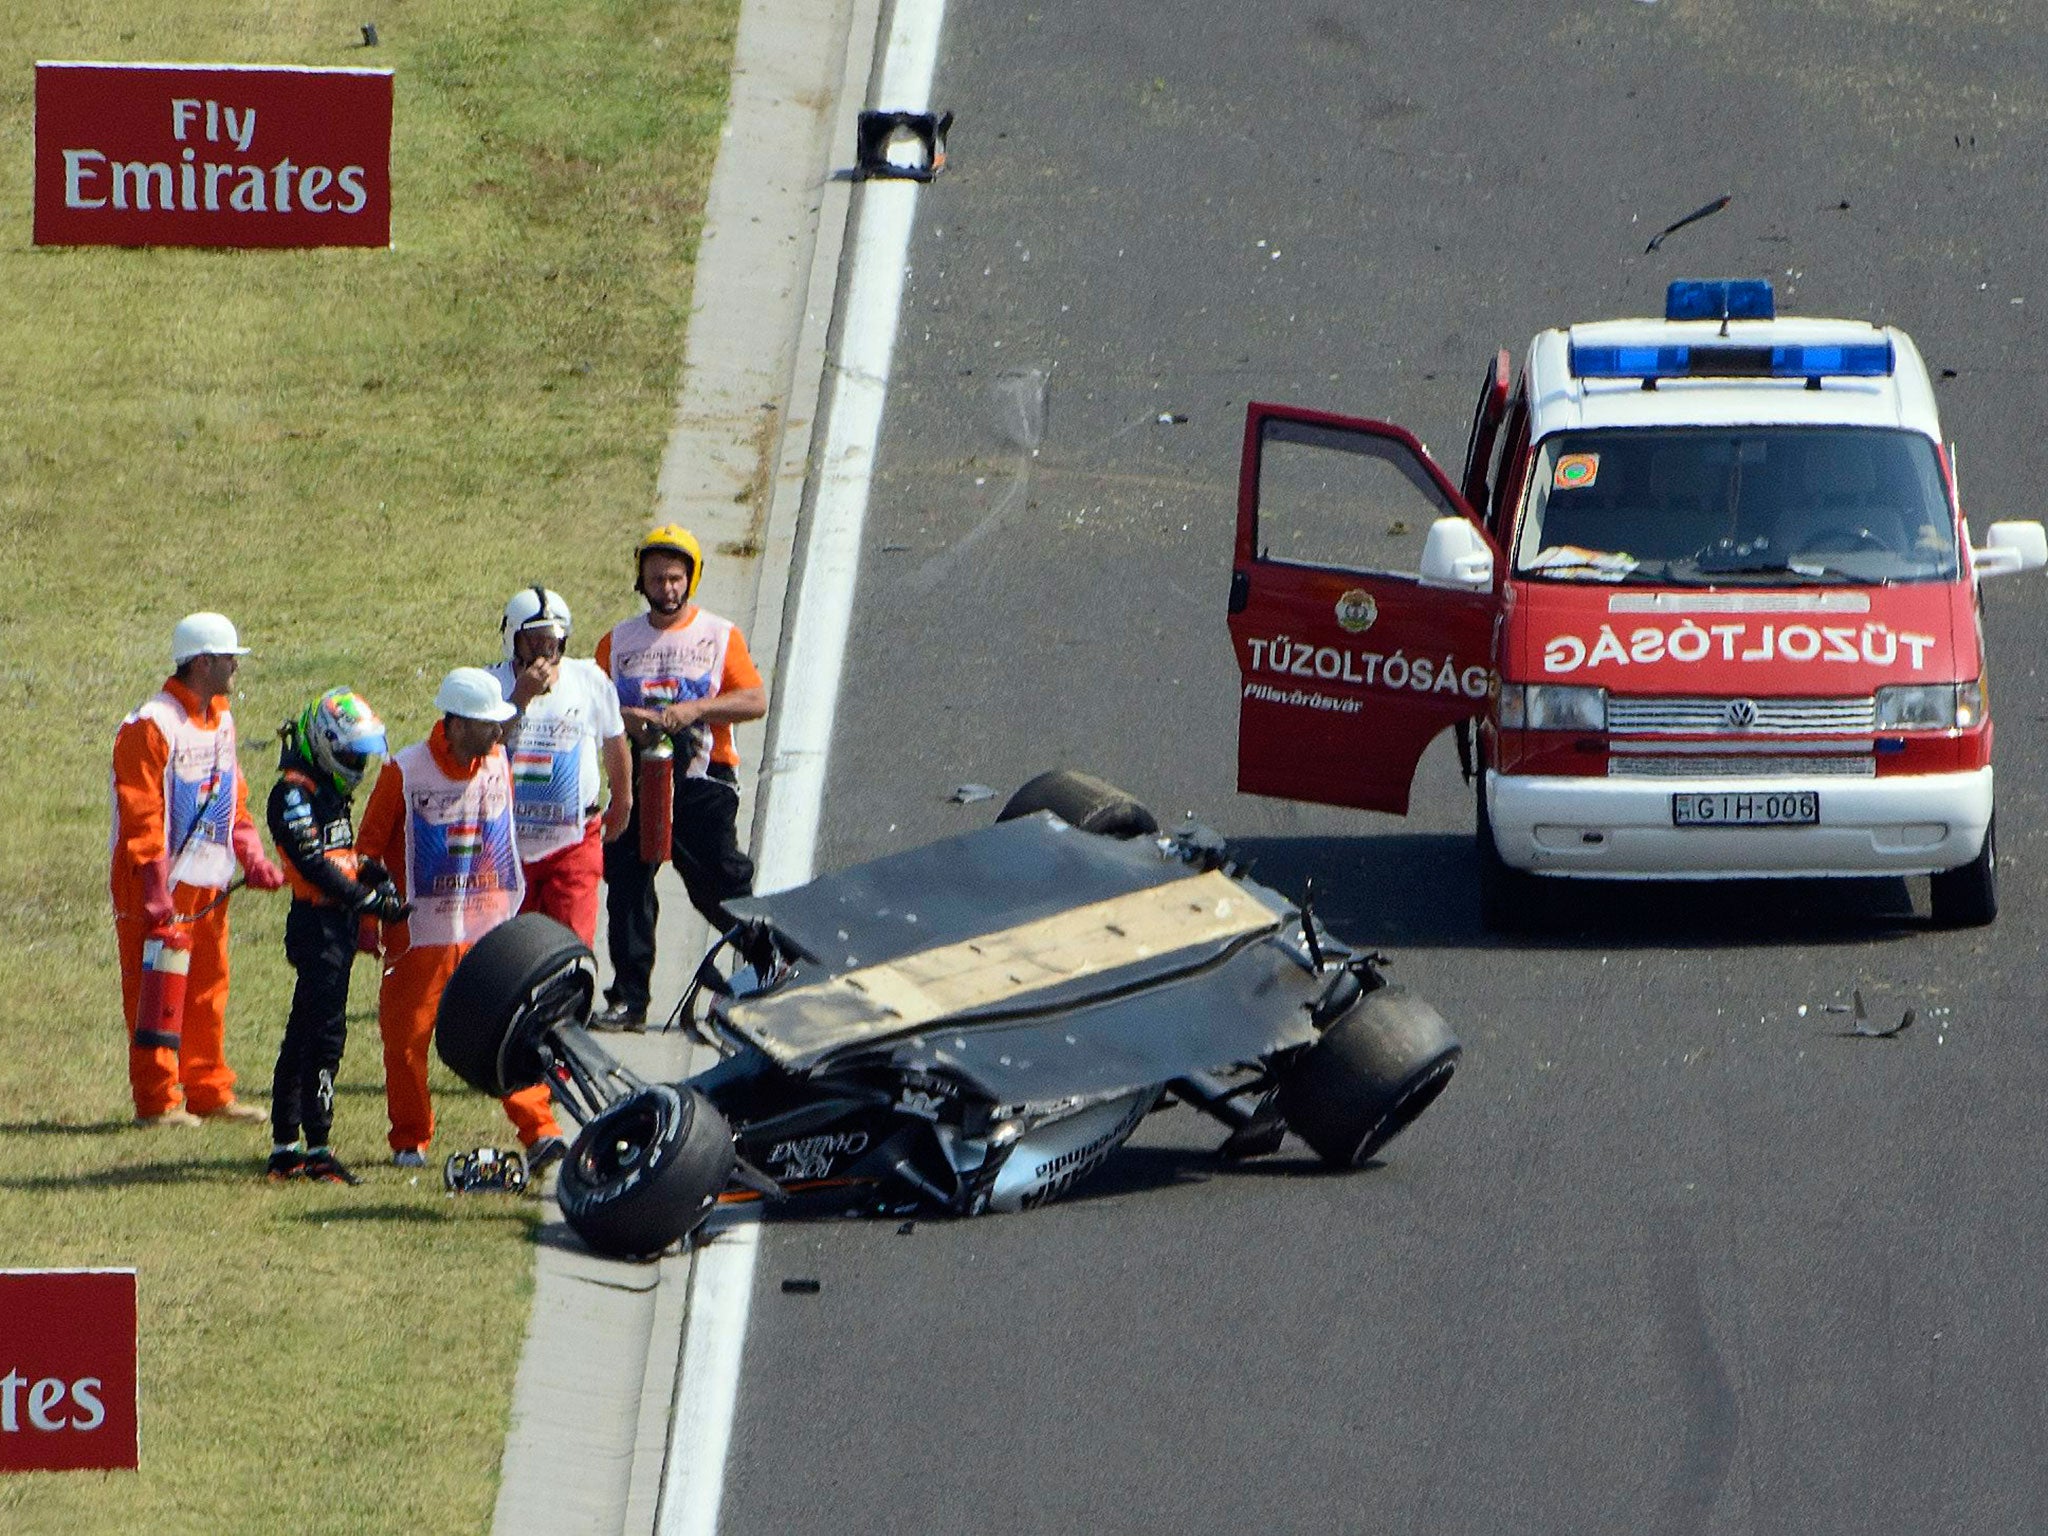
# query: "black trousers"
(320, 943)
(705, 848)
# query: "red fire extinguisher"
(655, 796)
(167, 954)
(160, 1002)
(166, 968)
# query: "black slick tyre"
(1084, 801)
(1379, 1065)
(645, 1172)
(519, 981)
(1968, 897)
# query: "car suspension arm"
(1254, 1130)
(1219, 1099)
(585, 1076)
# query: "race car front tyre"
(1968, 897)
(1084, 801)
(1378, 1066)
(645, 1172)
(520, 980)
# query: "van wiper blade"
(1797, 568)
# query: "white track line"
(722, 1285)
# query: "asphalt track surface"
(1670, 1256)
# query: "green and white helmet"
(340, 733)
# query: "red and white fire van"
(1704, 584)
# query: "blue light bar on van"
(1861, 360)
(1745, 298)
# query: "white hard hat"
(474, 694)
(204, 634)
(534, 608)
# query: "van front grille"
(1674, 765)
(1683, 716)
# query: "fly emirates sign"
(220, 155)
(67, 1369)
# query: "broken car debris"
(1070, 970)
(1862, 1027)
(881, 133)
(1701, 212)
(485, 1170)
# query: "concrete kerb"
(596, 1386)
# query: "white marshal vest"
(555, 776)
(461, 861)
(199, 793)
(653, 667)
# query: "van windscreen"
(1753, 505)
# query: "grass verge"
(357, 456)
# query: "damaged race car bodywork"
(970, 1026)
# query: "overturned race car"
(970, 1026)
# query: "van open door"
(1348, 667)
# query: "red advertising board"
(212, 154)
(67, 1369)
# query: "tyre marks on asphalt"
(1710, 1413)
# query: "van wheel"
(1507, 896)
(1378, 1066)
(1084, 801)
(1968, 897)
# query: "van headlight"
(1930, 706)
(1552, 707)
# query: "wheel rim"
(564, 998)
(627, 1144)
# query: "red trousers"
(406, 1005)
(564, 884)
(199, 1068)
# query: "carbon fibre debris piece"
(1862, 1028)
(1701, 212)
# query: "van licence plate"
(1777, 808)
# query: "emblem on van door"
(1356, 611)
(1740, 714)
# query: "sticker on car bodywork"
(1356, 611)
(1576, 472)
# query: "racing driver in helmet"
(325, 752)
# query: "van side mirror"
(2008, 547)
(1456, 554)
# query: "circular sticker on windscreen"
(1576, 471)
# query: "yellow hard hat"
(676, 540)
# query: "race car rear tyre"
(1084, 801)
(1968, 897)
(645, 1172)
(1375, 1069)
(519, 981)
